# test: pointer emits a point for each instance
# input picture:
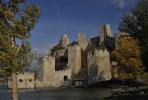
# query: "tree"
(136, 23)
(16, 22)
(127, 54)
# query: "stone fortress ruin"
(74, 63)
(83, 60)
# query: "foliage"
(144, 76)
(16, 22)
(127, 54)
(125, 76)
(136, 23)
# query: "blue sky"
(73, 16)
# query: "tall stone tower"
(99, 68)
(105, 32)
(46, 69)
(64, 40)
(82, 40)
(74, 58)
(103, 64)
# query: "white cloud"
(40, 52)
(121, 3)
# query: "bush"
(124, 76)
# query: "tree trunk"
(14, 86)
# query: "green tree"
(127, 54)
(16, 22)
(136, 23)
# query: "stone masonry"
(24, 80)
(64, 40)
(47, 65)
(105, 31)
(74, 58)
(99, 68)
(97, 61)
(48, 77)
(82, 41)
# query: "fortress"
(84, 61)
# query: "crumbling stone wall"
(24, 80)
(74, 58)
(82, 41)
(105, 31)
(46, 69)
(48, 77)
(64, 40)
(99, 68)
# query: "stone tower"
(74, 58)
(82, 40)
(99, 68)
(105, 32)
(64, 40)
(103, 64)
(46, 69)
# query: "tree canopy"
(136, 23)
(16, 22)
(127, 54)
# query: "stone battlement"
(99, 68)
(98, 52)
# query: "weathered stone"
(99, 68)
(66, 61)
(82, 40)
(64, 40)
(74, 58)
(24, 80)
(48, 77)
(105, 32)
(46, 69)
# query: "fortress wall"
(56, 80)
(50, 77)
(74, 58)
(103, 64)
(24, 80)
(61, 77)
(92, 72)
(47, 69)
(99, 68)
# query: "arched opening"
(20, 80)
(65, 78)
(30, 80)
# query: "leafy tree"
(136, 23)
(16, 22)
(127, 54)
